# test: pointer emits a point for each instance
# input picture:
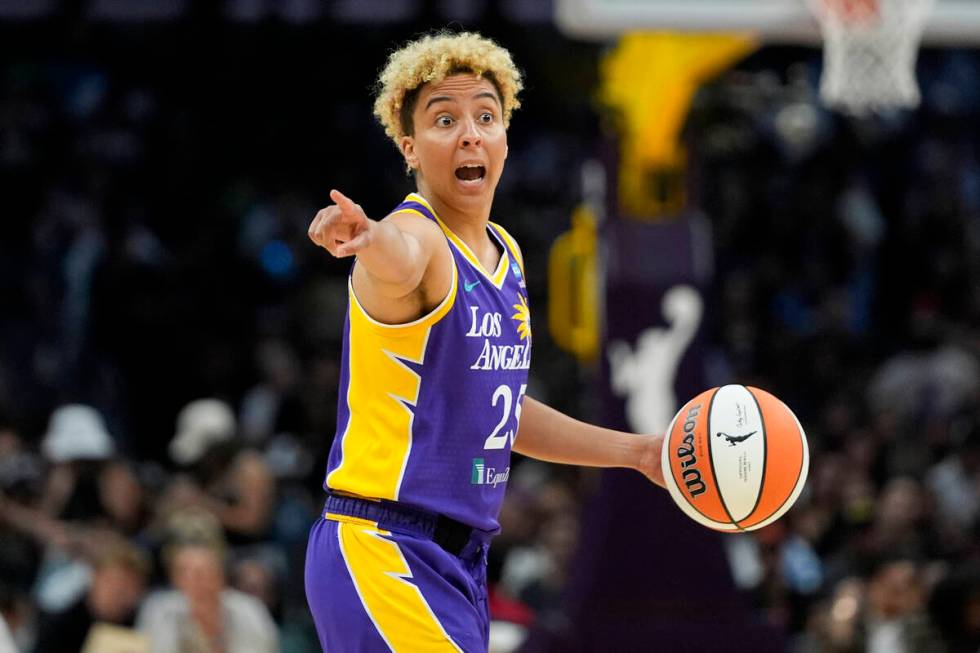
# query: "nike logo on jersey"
(470, 286)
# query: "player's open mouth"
(471, 173)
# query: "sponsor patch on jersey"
(480, 474)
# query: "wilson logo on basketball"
(685, 453)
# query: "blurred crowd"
(848, 281)
(169, 340)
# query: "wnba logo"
(685, 453)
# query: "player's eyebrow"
(438, 98)
(446, 98)
(488, 94)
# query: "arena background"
(161, 160)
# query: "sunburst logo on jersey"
(523, 317)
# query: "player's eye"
(444, 121)
(486, 117)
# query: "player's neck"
(467, 222)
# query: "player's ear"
(408, 151)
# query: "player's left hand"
(649, 463)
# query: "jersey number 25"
(498, 438)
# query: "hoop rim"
(856, 13)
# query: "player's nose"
(470, 135)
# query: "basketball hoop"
(870, 49)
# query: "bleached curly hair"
(432, 58)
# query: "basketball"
(735, 458)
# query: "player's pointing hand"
(342, 229)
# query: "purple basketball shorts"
(373, 587)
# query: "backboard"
(953, 22)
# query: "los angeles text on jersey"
(495, 357)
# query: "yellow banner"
(649, 81)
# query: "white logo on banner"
(645, 376)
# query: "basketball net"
(870, 49)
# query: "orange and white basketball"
(735, 458)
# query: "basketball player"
(437, 345)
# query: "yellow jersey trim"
(382, 392)
(426, 321)
(347, 519)
(511, 243)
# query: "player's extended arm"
(397, 257)
(393, 258)
(546, 434)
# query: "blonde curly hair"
(432, 58)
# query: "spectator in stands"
(76, 444)
(201, 614)
(233, 483)
(886, 614)
(119, 576)
(955, 480)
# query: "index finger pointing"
(345, 203)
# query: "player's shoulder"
(415, 223)
(407, 215)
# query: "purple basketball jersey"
(428, 411)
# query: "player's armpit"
(406, 273)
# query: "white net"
(870, 50)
